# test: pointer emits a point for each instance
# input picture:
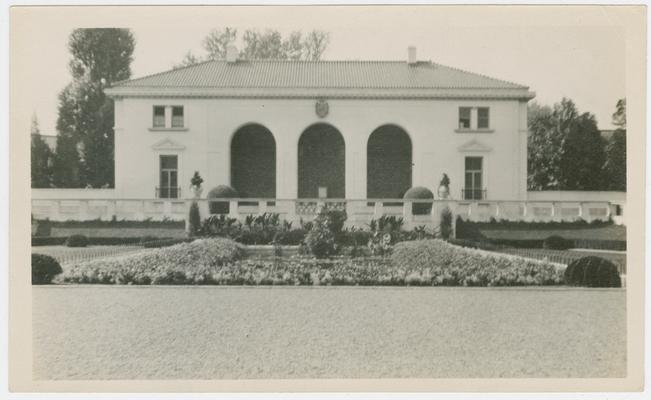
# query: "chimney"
(231, 54)
(411, 55)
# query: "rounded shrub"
(420, 193)
(320, 240)
(556, 242)
(44, 269)
(592, 271)
(77, 241)
(221, 192)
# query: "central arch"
(389, 162)
(253, 162)
(321, 162)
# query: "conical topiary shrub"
(221, 192)
(420, 193)
(592, 271)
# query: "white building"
(355, 129)
(288, 135)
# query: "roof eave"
(332, 93)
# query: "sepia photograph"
(411, 198)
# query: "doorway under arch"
(253, 162)
(389, 163)
(321, 162)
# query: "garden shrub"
(290, 237)
(445, 226)
(77, 241)
(194, 219)
(420, 193)
(220, 225)
(44, 269)
(446, 264)
(320, 240)
(592, 271)
(221, 192)
(556, 242)
(185, 263)
(156, 243)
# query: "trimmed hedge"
(77, 241)
(556, 242)
(178, 264)
(221, 191)
(442, 263)
(91, 241)
(164, 243)
(420, 193)
(97, 223)
(44, 269)
(592, 271)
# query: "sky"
(557, 52)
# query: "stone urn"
(196, 191)
(444, 192)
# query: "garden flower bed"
(220, 262)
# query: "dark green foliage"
(290, 237)
(474, 244)
(615, 166)
(77, 241)
(445, 226)
(157, 243)
(41, 159)
(221, 192)
(420, 193)
(618, 245)
(320, 240)
(93, 241)
(44, 269)
(84, 153)
(592, 271)
(220, 225)
(556, 242)
(194, 219)
(97, 223)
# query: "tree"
(100, 57)
(257, 45)
(41, 159)
(619, 116)
(615, 166)
(217, 42)
(565, 149)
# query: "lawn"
(182, 332)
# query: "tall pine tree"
(85, 144)
(615, 166)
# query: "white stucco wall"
(211, 123)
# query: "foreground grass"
(118, 332)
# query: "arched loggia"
(389, 163)
(253, 162)
(321, 162)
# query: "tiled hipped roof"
(347, 78)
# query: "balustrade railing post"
(55, 211)
(262, 206)
(111, 209)
(407, 211)
(581, 210)
(378, 210)
(83, 210)
(232, 209)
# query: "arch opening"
(389, 163)
(321, 162)
(253, 162)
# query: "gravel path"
(108, 332)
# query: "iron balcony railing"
(168, 192)
(473, 194)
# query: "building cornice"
(330, 93)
